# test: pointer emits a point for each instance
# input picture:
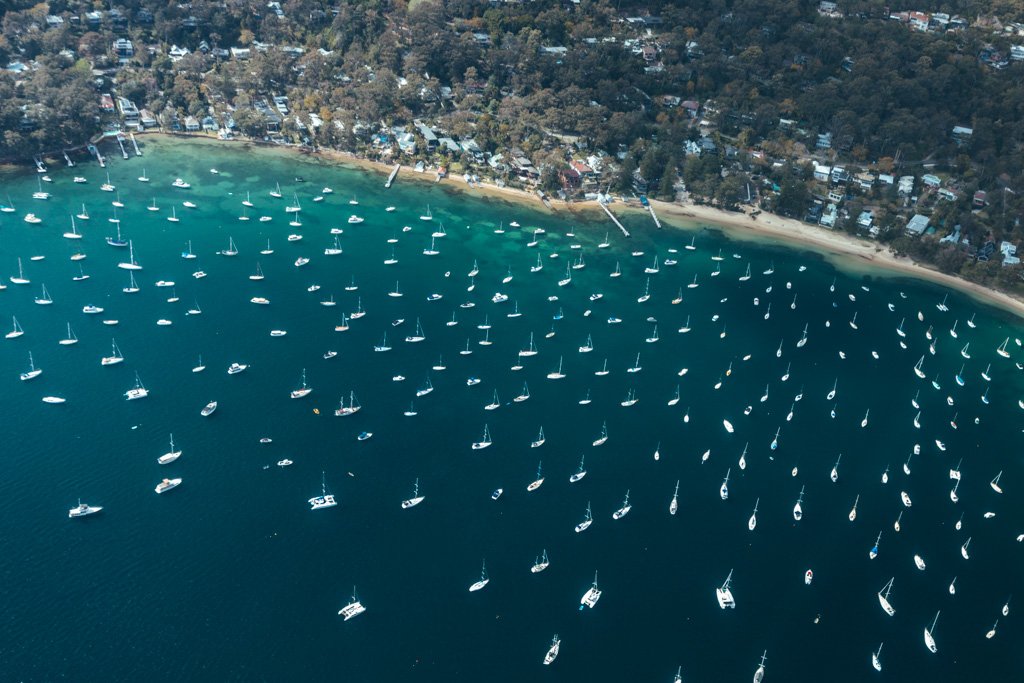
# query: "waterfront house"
(917, 225)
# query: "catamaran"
(324, 500)
(592, 595)
(354, 608)
(724, 594)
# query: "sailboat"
(624, 510)
(724, 594)
(647, 292)
(21, 279)
(883, 600)
(74, 234)
(535, 484)
(929, 638)
(875, 661)
(130, 264)
(798, 510)
(759, 672)
(558, 374)
(604, 435)
(995, 483)
(417, 336)
(873, 553)
(723, 491)
(132, 287)
(70, 339)
(752, 522)
(416, 497)
(540, 439)
(44, 299)
(541, 563)
(114, 357)
(581, 472)
(170, 456)
(16, 331)
(324, 500)
(673, 507)
(484, 442)
(834, 475)
(352, 408)
(553, 650)
(303, 390)
(484, 580)
(1002, 349)
(32, 371)
(853, 510)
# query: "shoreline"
(841, 250)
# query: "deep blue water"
(231, 576)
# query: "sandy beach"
(842, 250)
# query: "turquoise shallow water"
(231, 576)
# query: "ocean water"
(232, 577)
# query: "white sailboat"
(929, 637)
(883, 600)
(876, 662)
(416, 498)
(303, 390)
(798, 510)
(70, 339)
(484, 580)
(130, 264)
(535, 484)
(673, 507)
(485, 440)
(552, 653)
(16, 330)
(588, 519)
(32, 371)
(170, 456)
(752, 522)
(541, 563)
(723, 491)
(581, 472)
(759, 672)
(624, 510)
